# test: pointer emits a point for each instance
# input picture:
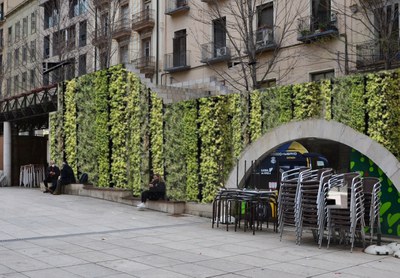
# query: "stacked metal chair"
(372, 204)
(287, 207)
(224, 207)
(310, 202)
(347, 220)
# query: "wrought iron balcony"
(143, 20)
(176, 6)
(99, 3)
(122, 29)
(265, 40)
(213, 53)
(375, 55)
(146, 64)
(312, 28)
(177, 61)
(101, 37)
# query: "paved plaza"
(42, 235)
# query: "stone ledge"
(173, 207)
(124, 196)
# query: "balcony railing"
(377, 55)
(98, 3)
(213, 53)
(312, 28)
(145, 64)
(143, 20)
(176, 6)
(265, 39)
(101, 37)
(177, 61)
(122, 29)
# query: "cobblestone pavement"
(42, 235)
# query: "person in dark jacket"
(52, 174)
(156, 191)
(67, 176)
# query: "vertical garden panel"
(86, 138)
(70, 124)
(118, 126)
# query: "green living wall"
(114, 128)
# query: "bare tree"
(256, 35)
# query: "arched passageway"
(320, 129)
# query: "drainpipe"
(157, 37)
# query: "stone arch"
(320, 129)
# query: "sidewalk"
(42, 235)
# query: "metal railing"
(311, 25)
(214, 52)
(264, 38)
(176, 6)
(122, 28)
(145, 63)
(376, 53)
(177, 61)
(143, 19)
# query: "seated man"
(67, 176)
(156, 191)
(52, 174)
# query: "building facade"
(196, 44)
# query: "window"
(16, 57)
(70, 69)
(51, 14)
(77, 7)
(317, 76)
(124, 14)
(104, 24)
(265, 16)
(179, 48)
(56, 42)
(24, 53)
(268, 83)
(17, 31)
(1, 38)
(219, 30)
(82, 33)
(9, 38)
(1, 11)
(24, 79)
(82, 64)
(124, 54)
(16, 84)
(46, 79)
(33, 51)
(24, 27)
(9, 86)
(9, 60)
(32, 78)
(71, 37)
(46, 47)
(321, 13)
(33, 23)
(1, 66)
(146, 48)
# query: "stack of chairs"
(287, 206)
(223, 207)
(372, 204)
(351, 219)
(310, 202)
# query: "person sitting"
(52, 174)
(67, 176)
(156, 191)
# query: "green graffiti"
(362, 159)
(385, 207)
(398, 230)
(352, 163)
(371, 162)
(390, 189)
(380, 171)
(392, 219)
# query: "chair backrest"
(370, 183)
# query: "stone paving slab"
(42, 235)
